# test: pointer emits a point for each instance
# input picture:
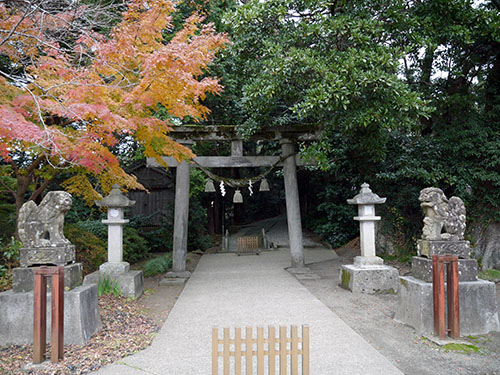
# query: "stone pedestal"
(478, 306)
(421, 268)
(55, 255)
(131, 282)
(375, 279)
(114, 267)
(428, 248)
(23, 279)
(81, 316)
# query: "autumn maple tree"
(69, 92)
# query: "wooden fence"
(280, 355)
(249, 245)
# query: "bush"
(90, 250)
(135, 247)
(9, 258)
(157, 265)
(158, 239)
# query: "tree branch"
(7, 188)
(41, 188)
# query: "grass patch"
(107, 285)
(157, 265)
(491, 275)
(461, 348)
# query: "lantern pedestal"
(111, 268)
(131, 283)
(374, 279)
(368, 273)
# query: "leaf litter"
(125, 331)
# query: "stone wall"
(486, 244)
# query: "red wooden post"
(40, 313)
(438, 292)
(453, 296)
(435, 299)
(438, 262)
(39, 316)
(57, 327)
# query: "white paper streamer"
(222, 189)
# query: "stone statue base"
(372, 279)
(81, 316)
(428, 248)
(477, 300)
(23, 278)
(421, 268)
(49, 255)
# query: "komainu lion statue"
(42, 226)
(440, 213)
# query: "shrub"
(157, 265)
(90, 250)
(135, 247)
(9, 258)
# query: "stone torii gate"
(287, 137)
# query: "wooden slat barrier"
(248, 245)
(293, 351)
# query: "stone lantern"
(368, 274)
(366, 201)
(131, 282)
(115, 202)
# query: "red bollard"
(40, 313)
(438, 262)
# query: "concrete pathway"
(230, 291)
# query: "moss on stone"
(461, 348)
(385, 291)
(346, 278)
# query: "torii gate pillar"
(293, 207)
(181, 216)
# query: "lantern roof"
(115, 199)
(366, 196)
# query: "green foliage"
(198, 237)
(156, 229)
(90, 250)
(157, 265)
(9, 258)
(134, 245)
(461, 348)
(108, 285)
(302, 61)
(491, 274)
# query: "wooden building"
(160, 195)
